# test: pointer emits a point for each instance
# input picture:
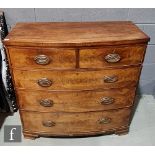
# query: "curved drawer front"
(82, 101)
(76, 80)
(111, 56)
(72, 123)
(42, 58)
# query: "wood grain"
(76, 80)
(59, 58)
(81, 101)
(77, 71)
(95, 58)
(75, 34)
(72, 123)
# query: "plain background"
(144, 18)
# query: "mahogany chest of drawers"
(75, 79)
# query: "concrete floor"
(142, 130)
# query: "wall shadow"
(147, 89)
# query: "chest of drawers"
(75, 79)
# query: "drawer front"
(111, 56)
(76, 80)
(42, 58)
(82, 101)
(72, 123)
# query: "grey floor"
(142, 130)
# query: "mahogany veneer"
(75, 79)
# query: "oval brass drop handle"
(112, 57)
(46, 102)
(42, 59)
(104, 120)
(48, 123)
(44, 82)
(107, 100)
(110, 79)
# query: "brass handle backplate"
(42, 59)
(46, 103)
(44, 82)
(110, 79)
(107, 100)
(112, 58)
(48, 123)
(105, 120)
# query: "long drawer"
(111, 56)
(82, 101)
(72, 123)
(42, 58)
(76, 80)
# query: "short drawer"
(42, 58)
(72, 123)
(76, 80)
(82, 101)
(111, 56)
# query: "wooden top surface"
(75, 34)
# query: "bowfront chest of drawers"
(75, 79)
